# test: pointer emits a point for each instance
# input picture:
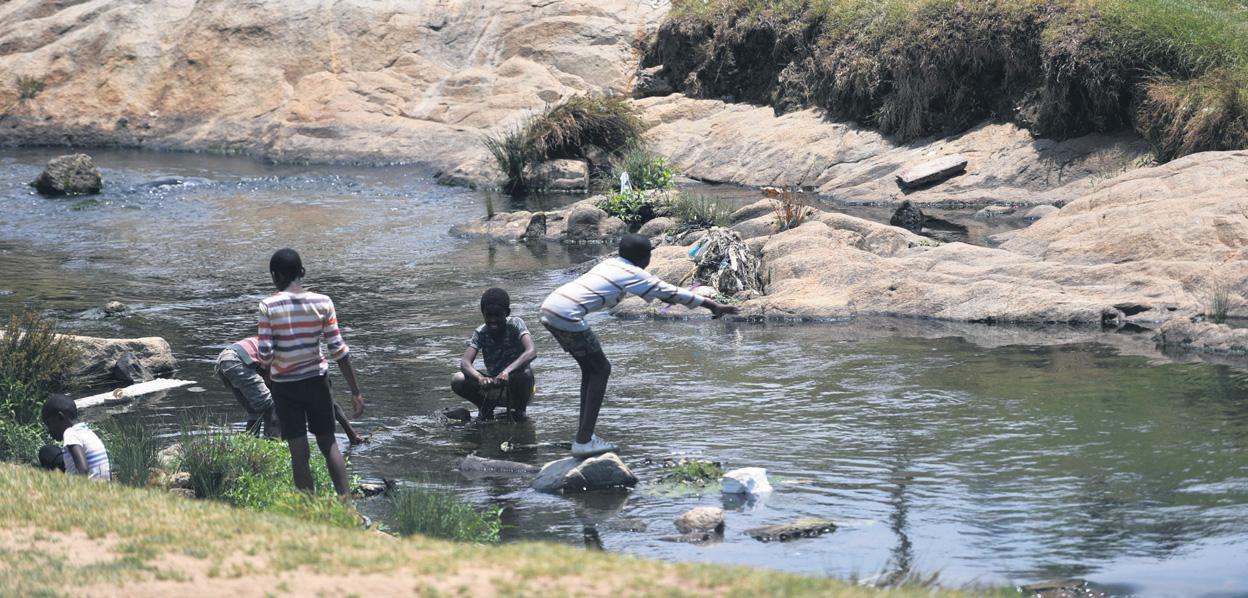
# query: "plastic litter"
(747, 480)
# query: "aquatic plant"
(132, 448)
(1219, 303)
(438, 513)
(635, 207)
(34, 360)
(699, 211)
(28, 87)
(255, 473)
(786, 204)
(646, 169)
(1176, 72)
(694, 472)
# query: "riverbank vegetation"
(581, 127)
(102, 535)
(1175, 71)
(34, 361)
(438, 513)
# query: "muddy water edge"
(989, 456)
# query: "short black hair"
(286, 263)
(496, 297)
(635, 248)
(63, 406)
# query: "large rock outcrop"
(750, 145)
(100, 357)
(320, 80)
(1146, 247)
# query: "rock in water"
(802, 528)
(74, 174)
(909, 217)
(113, 308)
(536, 230)
(701, 519)
(130, 369)
(747, 480)
(574, 475)
(475, 464)
(561, 175)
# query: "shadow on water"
(989, 454)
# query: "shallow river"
(1004, 465)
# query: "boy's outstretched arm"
(348, 372)
(718, 309)
(525, 358)
(470, 371)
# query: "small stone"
(113, 308)
(784, 532)
(909, 217)
(701, 519)
(183, 492)
(180, 479)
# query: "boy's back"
(603, 287)
(291, 327)
(98, 467)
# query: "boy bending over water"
(239, 368)
(507, 349)
(84, 453)
(564, 311)
(292, 324)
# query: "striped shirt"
(93, 450)
(248, 350)
(603, 287)
(291, 328)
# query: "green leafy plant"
(634, 207)
(34, 360)
(132, 448)
(694, 472)
(438, 513)
(20, 443)
(28, 87)
(646, 169)
(700, 211)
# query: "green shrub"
(28, 87)
(34, 361)
(1219, 303)
(132, 449)
(646, 169)
(635, 207)
(438, 513)
(694, 472)
(700, 211)
(20, 443)
(255, 473)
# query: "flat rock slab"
(480, 465)
(932, 172)
(570, 475)
(802, 528)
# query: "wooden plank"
(125, 395)
(932, 171)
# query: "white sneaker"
(596, 446)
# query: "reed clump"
(438, 513)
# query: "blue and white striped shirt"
(604, 287)
(92, 448)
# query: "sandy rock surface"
(738, 143)
(1148, 246)
(354, 80)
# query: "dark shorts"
(304, 406)
(577, 344)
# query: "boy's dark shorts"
(577, 344)
(304, 406)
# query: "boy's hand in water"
(718, 309)
(357, 405)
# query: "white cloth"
(92, 447)
(603, 287)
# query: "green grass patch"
(646, 170)
(438, 513)
(132, 449)
(28, 88)
(699, 211)
(1175, 71)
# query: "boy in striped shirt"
(292, 324)
(603, 287)
(84, 453)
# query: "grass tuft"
(646, 169)
(1219, 303)
(438, 513)
(34, 360)
(132, 449)
(700, 211)
(28, 87)
(788, 207)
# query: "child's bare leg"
(468, 389)
(595, 370)
(520, 392)
(341, 416)
(299, 454)
(333, 460)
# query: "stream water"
(932, 453)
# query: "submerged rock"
(113, 308)
(479, 465)
(784, 532)
(561, 175)
(74, 174)
(701, 519)
(571, 475)
(909, 217)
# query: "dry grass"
(789, 207)
(1175, 70)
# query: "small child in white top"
(84, 452)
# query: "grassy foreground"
(63, 535)
(1174, 70)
